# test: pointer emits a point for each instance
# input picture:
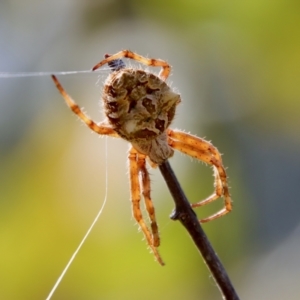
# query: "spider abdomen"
(140, 107)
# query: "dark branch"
(184, 213)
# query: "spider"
(139, 107)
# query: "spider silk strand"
(39, 74)
(88, 231)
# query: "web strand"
(87, 233)
(39, 74)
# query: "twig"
(184, 213)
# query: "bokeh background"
(237, 67)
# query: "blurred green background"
(237, 67)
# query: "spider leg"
(164, 73)
(148, 202)
(206, 152)
(100, 129)
(136, 198)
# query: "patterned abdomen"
(139, 105)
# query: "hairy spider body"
(139, 107)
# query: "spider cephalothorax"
(139, 108)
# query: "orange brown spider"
(139, 107)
